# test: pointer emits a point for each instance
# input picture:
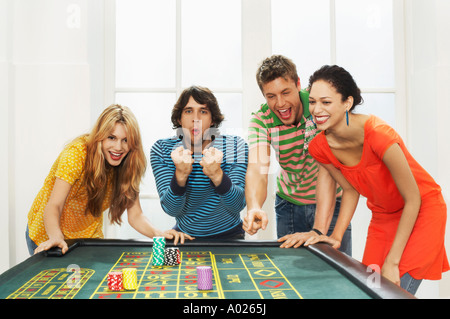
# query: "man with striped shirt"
(200, 174)
(285, 123)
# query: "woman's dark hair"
(201, 95)
(341, 80)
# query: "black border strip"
(359, 274)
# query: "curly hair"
(201, 95)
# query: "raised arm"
(170, 186)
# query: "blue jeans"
(292, 218)
(31, 245)
(409, 283)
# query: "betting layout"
(251, 275)
(59, 283)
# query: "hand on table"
(297, 239)
(176, 236)
(391, 272)
(324, 239)
(50, 243)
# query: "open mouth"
(285, 114)
(196, 131)
(321, 119)
(115, 156)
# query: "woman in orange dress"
(367, 157)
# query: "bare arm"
(52, 217)
(397, 164)
(140, 222)
(256, 188)
(326, 200)
(350, 198)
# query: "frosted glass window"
(379, 104)
(211, 45)
(145, 43)
(364, 41)
(301, 31)
(231, 106)
(153, 111)
(361, 38)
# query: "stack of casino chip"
(115, 281)
(159, 243)
(204, 278)
(129, 278)
(172, 256)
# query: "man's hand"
(211, 160)
(182, 158)
(255, 220)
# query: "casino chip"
(204, 278)
(129, 278)
(115, 282)
(172, 256)
(159, 243)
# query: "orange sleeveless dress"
(424, 256)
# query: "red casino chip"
(115, 281)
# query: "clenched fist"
(212, 158)
(182, 158)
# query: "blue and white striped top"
(200, 208)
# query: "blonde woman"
(95, 172)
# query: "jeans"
(31, 245)
(409, 283)
(292, 218)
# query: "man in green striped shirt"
(285, 124)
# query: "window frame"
(256, 45)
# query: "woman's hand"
(296, 240)
(391, 272)
(176, 236)
(324, 239)
(50, 243)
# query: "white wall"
(4, 129)
(47, 91)
(428, 82)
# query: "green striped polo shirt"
(297, 178)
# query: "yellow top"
(75, 223)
